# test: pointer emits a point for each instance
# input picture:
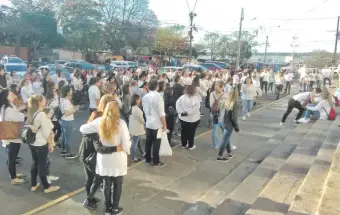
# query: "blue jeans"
(247, 106)
(136, 141)
(215, 133)
(308, 114)
(225, 142)
(67, 129)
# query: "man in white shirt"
(288, 78)
(94, 94)
(326, 74)
(153, 107)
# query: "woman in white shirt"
(67, 109)
(271, 79)
(77, 83)
(279, 80)
(9, 112)
(42, 126)
(112, 131)
(37, 86)
(26, 90)
(136, 127)
(188, 109)
(248, 91)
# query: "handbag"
(9, 130)
(332, 113)
(165, 149)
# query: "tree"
(212, 41)
(169, 42)
(319, 59)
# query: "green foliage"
(319, 59)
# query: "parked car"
(79, 65)
(50, 67)
(132, 64)
(212, 66)
(120, 64)
(19, 68)
(60, 62)
(194, 67)
(104, 68)
(12, 59)
(219, 63)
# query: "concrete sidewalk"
(193, 182)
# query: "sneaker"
(202, 114)
(89, 204)
(184, 147)
(33, 189)
(160, 164)
(222, 159)
(136, 160)
(108, 211)
(248, 114)
(57, 146)
(281, 123)
(52, 189)
(244, 118)
(304, 121)
(217, 147)
(192, 148)
(52, 178)
(117, 211)
(233, 147)
(178, 134)
(18, 158)
(70, 156)
(63, 154)
(231, 155)
(296, 122)
(17, 181)
(21, 176)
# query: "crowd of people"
(123, 106)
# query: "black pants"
(170, 124)
(292, 103)
(287, 89)
(188, 132)
(93, 182)
(77, 97)
(13, 151)
(278, 91)
(39, 156)
(270, 86)
(264, 84)
(324, 81)
(112, 198)
(154, 143)
(56, 130)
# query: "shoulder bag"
(9, 130)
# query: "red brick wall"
(10, 50)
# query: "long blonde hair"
(101, 106)
(33, 106)
(231, 99)
(109, 125)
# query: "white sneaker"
(52, 178)
(281, 123)
(244, 118)
(248, 114)
(192, 148)
(233, 147)
(304, 121)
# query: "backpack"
(332, 114)
(207, 99)
(216, 104)
(27, 135)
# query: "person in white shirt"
(94, 93)
(321, 110)
(326, 74)
(37, 86)
(26, 90)
(113, 132)
(265, 80)
(188, 109)
(136, 127)
(271, 80)
(299, 101)
(77, 83)
(41, 125)
(288, 79)
(248, 93)
(312, 79)
(9, 112)
(66, 121)
(279, 80)
(153, 106)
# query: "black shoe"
(70, 156)
(63, 154)
(117, 211)
(96, 200)
(160, 164)
(90, 204)
(222, 159)
(18, 158)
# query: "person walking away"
(279, 84)
(170, 111)
(113, 132)
(52, 102)
(271, 80)
(299, 101)
(230, 115)
(188, 108)
(178, 91)
(153, 106)
(136, 128)
(9, 113)
(288, 79)
(248, 91)
(217, 97)
(77, 83)
(66, 121)
(94, 93)
(126, 108)
(41, 125)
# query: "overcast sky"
(223, 16)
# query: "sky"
(312, 22)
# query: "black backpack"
(27, 135)
(57, 112)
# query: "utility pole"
(191, 37)
(265, 51)
(239, 39)
(337, 37)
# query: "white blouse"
(190, 105)
(26, 92)
(114, 164)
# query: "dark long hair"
(49, 91)
(4, 98)
(134, 99)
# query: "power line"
(305, 19)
